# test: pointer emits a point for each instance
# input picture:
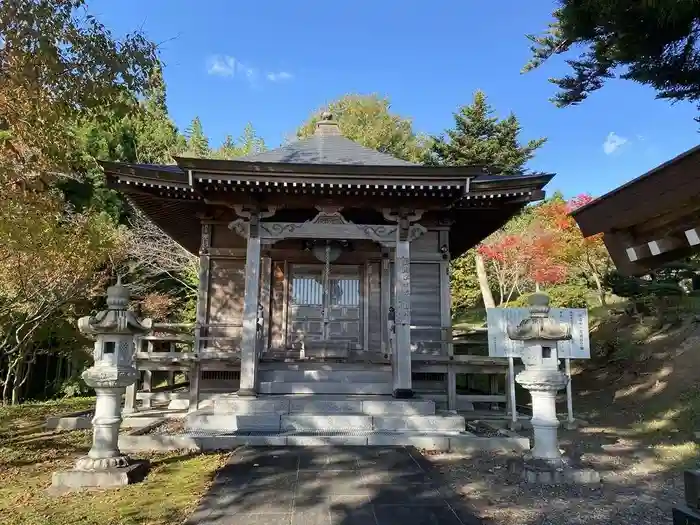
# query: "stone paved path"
(328, 485)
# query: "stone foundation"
(546, 473)
(72, 480)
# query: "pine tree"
(248, 144)
(479, 138)
(156, 137)
(197, 142)
(652, 43)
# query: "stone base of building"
(73, 480)
(683, 515)
(403, 393)
(546, 473)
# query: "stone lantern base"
(532, 470)
(107, 478)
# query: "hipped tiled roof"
(327, 146)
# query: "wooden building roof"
(323, 169)
(652, 219)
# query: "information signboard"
(500, 345)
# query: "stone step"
(322, 404)
(311, 387)
(338, 376)
(207, 421)
(327, 366)
(207, 441)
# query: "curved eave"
(240, 167)
(175, 201)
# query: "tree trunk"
(484, 282)
(601, 291)
(6, 386)
(17, 383)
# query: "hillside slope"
(643, 379)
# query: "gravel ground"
(636, 490)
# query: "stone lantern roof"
(116, 319)
(539, 325)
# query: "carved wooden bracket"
(326, 225)
(248, 212)
(396, 215)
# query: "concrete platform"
(329, 375)
(207, 442)
(326, 404)
(325, 387)
(205, 420)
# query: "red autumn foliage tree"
(520, 256)
(585, 256)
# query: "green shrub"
(561, 296)
(75, 387)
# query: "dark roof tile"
(327, 149)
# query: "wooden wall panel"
(226, 290)
(374, 306)
(425, 307)
(426, 243)
(223, 237)
(278, 294)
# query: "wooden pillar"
(385, 291)
(130, 398)
(265, 300)
(446, 319)
(493, 389)
(249, 357)
(195, 376)
(130, 395)
(401, 359)
(147, 387)
(201, 319)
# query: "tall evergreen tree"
(248, 144)
(479, 138)
(197, 141)
(156, 135)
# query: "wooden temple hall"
(324, 266)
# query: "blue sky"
(273, 62)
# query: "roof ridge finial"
(326, 125)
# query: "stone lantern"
(542, 378)
(113, 330)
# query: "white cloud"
(223, 66)
(280, 76)
(228, 66)
(613, 142)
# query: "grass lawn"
(29, 455)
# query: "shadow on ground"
(330, 485)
